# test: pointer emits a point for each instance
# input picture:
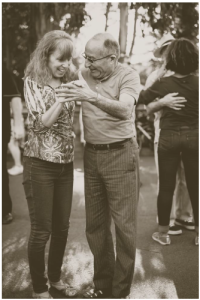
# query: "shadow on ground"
(160, 272)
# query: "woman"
(48, 160)
(179, 130)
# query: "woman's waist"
(61, 133)
(179, 123)
(181, 128)
(50, 140)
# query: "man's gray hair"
(109, 43)
(112, 45)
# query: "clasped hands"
(75, 91)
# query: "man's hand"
(170, 100)
(75, 91)
(173, 101)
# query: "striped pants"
(112, 190)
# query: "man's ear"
(113, 57)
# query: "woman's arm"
(52, 114)
(43, 119)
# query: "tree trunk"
(33, 34)
(41, 20)
(123, 28)
(108, 6)
(134, 31)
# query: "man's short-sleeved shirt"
(99, 126)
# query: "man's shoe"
(98, 294)
(196, 241)
(44, 295)
(174, 230)
(7, 219)
(16, 170)
(161, 238)
(185, 223)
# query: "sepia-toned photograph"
(100, 150)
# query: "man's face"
(101, 68)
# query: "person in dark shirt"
(10, 94)
(179, 130)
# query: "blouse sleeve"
(35, 104)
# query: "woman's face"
(57, 66)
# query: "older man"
(110, 163)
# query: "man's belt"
(116, 145)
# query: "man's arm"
(121, 109)
(170, 100)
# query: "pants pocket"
(165, 141)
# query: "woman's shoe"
(64, 288)
(44, 295)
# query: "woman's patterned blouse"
(54, 144)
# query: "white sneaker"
(16, 170)
(44, 295)
(161, 238)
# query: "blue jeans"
(48, 187)
(181, 204)
(112, 190)
(173, 146)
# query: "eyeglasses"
(91, 60)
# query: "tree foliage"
(180, 19)
(23, 24)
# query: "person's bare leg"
(13, 147)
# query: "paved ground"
(162, 272)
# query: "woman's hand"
(75, 91)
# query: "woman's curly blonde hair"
(38, 68)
